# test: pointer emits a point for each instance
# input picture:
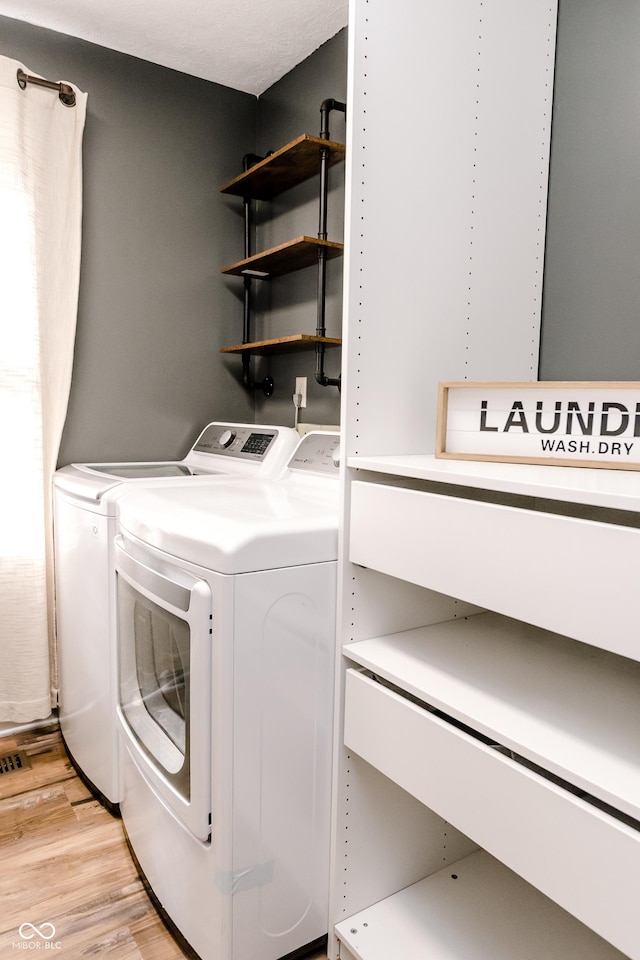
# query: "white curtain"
(40, 228)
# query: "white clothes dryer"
(84, 500)
(226, 638)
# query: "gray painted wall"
(591, 314)
(153, 307)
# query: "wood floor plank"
(109, 926)
(24, 816)
(49, 764)
(65, 862)
(78, 793)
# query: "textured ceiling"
(244, 44)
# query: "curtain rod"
(65, 92)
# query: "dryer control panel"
(317, 452)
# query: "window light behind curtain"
(40, 229)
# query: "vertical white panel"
(283, 710)
(449, 129)
(388, 838)
(511, 131)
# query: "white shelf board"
(475, 909)
(612, 489)
(571, 708)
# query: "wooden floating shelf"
(292, 164)
(285, 258)
(299, 341)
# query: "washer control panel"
(234, 440)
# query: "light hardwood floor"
(65, 865)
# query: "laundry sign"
(581, 424)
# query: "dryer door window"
(155, 686)
(164, 652)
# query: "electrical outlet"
(301, 388)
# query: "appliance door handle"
(177, 594)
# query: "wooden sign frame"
(562, 423)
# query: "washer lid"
(222, 449)
(235, 527)
(90, 481)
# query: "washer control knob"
(226, 438)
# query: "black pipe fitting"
(325, 108)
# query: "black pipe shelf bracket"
(262, 179)
(266, 384)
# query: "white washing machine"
(84, 498)
(226, 637)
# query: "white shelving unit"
(523, 739)
(487, 799)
